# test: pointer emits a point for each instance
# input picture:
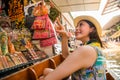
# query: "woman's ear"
(92, 29)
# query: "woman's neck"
(85, 40)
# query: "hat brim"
(93, 20)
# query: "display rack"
(10, 70)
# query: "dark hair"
(94, 34)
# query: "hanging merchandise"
(40, 9)
(29, 18)
(44, 30)
(48, 42)
(16, 13)
(54, 13)
(25, 2)
(51, 40)
(2, 8)
(40, 22)
(43, 27)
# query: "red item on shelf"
(48, 42)
(39, 22)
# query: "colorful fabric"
(48, 42)
(40, 22)
(95, 72)
(43, 29)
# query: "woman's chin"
(78, 38)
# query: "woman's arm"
(63, 33)
(65, 51)
(83, 57)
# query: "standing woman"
(87, 61)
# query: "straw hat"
(93, 20)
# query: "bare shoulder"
(86, 50)
(85, 53)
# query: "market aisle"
(112, 53)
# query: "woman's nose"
(77, 29)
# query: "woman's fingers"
(59, 24)
(61, 29)
(41, 78)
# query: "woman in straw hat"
(87, 61)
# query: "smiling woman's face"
(82, 30)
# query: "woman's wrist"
(65, 35)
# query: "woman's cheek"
(78, 36)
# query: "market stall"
(27, 33)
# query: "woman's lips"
(77, 33)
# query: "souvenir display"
(16, 13)
(19, 36)
(40, 9)
(25, 2)
(43, 27)
(2, 7)
(11, 47)
(4, 61)
(41, 54)
(0, 51)
(4, 30)
(10, 62)
(40, 22)
(1, 65)
(22, 57)
(44, 31)
(42, 34)
(27, 55)
(16, 59)
(16, 48)
(48, 42)
(54, 13)
(29, 18)
(3, 13)
(3, 42)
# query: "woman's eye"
(81, 24)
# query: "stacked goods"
(12, 60)
(20, 58)
(32, 54)
(1, 66)
(6, 62)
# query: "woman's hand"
(45, 73)
(41, 78)
(61, 29)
